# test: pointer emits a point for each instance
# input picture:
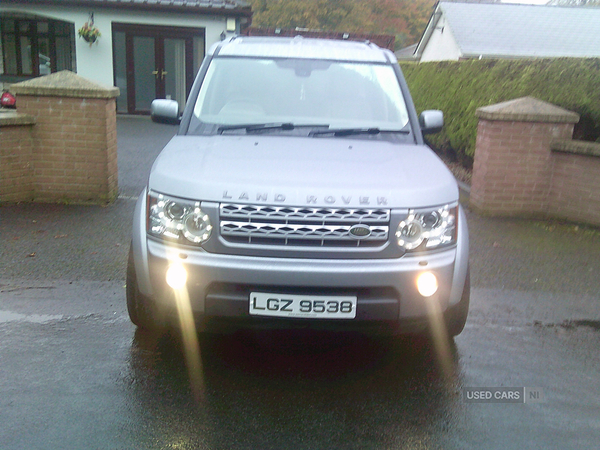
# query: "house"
(501, 30)
(147, 48)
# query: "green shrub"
(459, 88)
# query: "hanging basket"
(89, 33)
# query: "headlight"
(176, 219)
(428, 229)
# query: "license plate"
(302, 306)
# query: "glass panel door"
(154, 62)
(120, 67)
(144, 72)
(174, 70)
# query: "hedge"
(459, 88)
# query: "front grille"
(312, 227)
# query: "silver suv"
(298, 192)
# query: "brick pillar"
(74, 140)
(512, 169)
(16, 150)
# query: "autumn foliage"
(405, 19)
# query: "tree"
(406, 19)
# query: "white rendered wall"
(442, 45)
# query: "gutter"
(433, 21)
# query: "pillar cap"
(527, 109)
(64, 84)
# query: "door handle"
(161, 72)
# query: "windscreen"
(338, 94)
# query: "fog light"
(176, 276)
(427, 284)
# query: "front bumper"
(219, 286)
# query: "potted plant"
(89, 33)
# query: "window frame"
(30, 32)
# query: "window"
(34, 47)
(340, 94)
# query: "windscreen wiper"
(355, 131)
(258, 127)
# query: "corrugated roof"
(519, 30)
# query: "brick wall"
(512, 170)
(75, 155)
(575, 190)
(74, 142)
(527, 165)
(16, 181)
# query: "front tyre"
(141, 309)
(456, 316)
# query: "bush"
(459, 88)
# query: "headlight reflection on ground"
(190, 342)
(176, 279)
(441, 340)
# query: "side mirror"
(165, 111)
(431, 121)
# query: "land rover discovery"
(298, 192)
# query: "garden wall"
(16, 183)
(527, 165)
(68, 150)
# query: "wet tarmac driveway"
(75, 373)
